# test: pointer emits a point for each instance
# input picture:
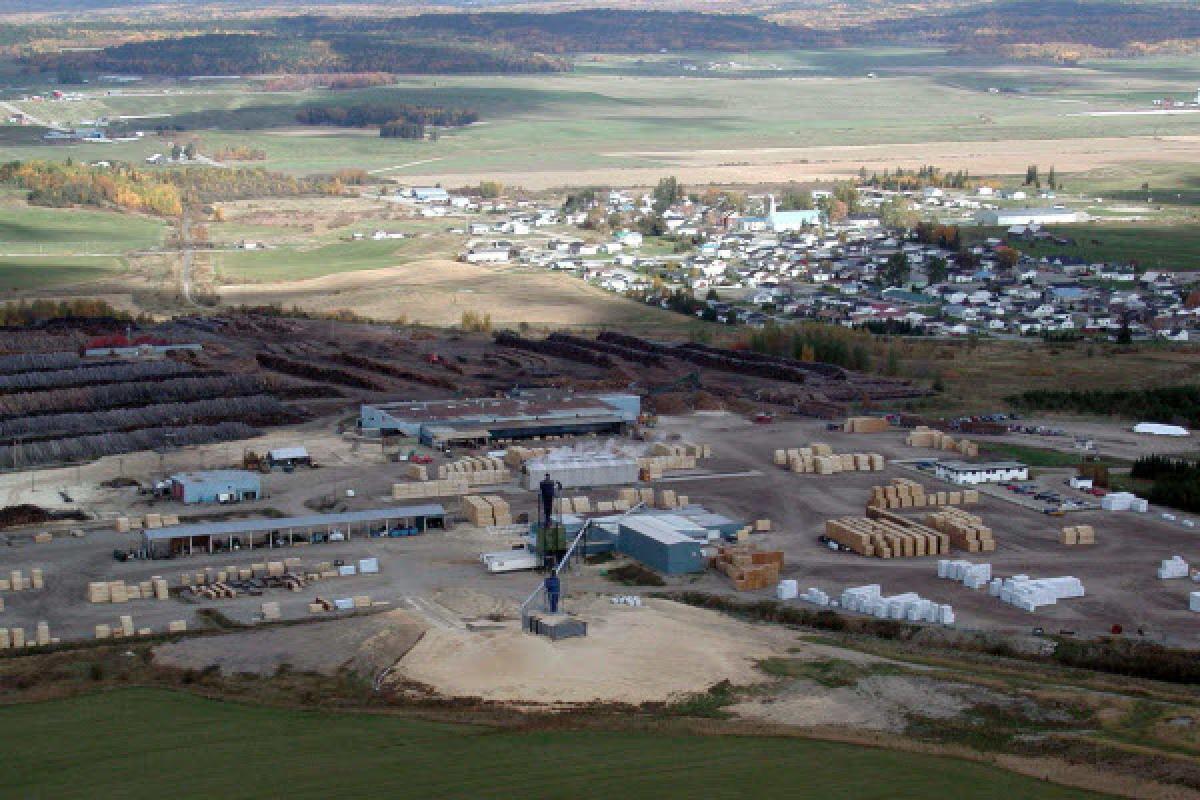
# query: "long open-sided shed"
(211, 537)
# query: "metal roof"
(963, 466)
(284, 453)
(235, 527)
(216, 476)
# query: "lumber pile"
(18, 582)
(748, 567)
(686, 450)
(819, 459)
(886, 535)
(16, 638)
(476, 470)
(122, 592)
(922, 436)
(866, 425)
(966, 531)
(905, 493)
(127, 524)
(448, 487)
(516, 456)
(486, 510)
(1077, 534)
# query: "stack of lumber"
(416, 472)
(684, 450)
(866, 425)
(655, 466)
(122, 592)
(886, 535)
(820, 460)
(1078, 534)
(581, 504)
(966, 531)
(44, 537)
(748, 567)
(477, 470)
(271, 612)
(905, 493)
(16, 638)
(922, 436)
(515, 456)
(18, 582)
(487, 510)
(449, 487)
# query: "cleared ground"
(439, 291)
(305, 754)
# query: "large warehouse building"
(439, 423)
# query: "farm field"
(29, 229)
(780, 116)
(1153, 246)
(436, 291)
(978, 376)
(305, 754)
(51, 272)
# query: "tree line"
(366, 115)
(125, 187)
(1176, 481)
(1175, 403)
(258, 54)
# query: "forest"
(267, 53)
(1179, 404)
(1176, 481)
(362, 116)
(159, 192)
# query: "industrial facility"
(522, 415)
(251, 534)
(215, 486)
(962, 472)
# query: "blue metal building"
(216, 486)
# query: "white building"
(961, 472)
(1007, 217)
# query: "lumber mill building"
(523, 415)
(250, 534)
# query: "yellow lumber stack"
(905, 493)
(516, 456)
(865, 425)
(937, 440)
(449, 487)
(885, 535)
(416, 472)
(748, 567)
(501, 511)
(1078, 534)
(966, 531)
(43, 538)
(819, 459)
(478, 511)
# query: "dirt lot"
(1118, 572)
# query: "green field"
(139, 743)
(612, 108)
(1161, 246)
(51, 272)
(32, 230)
(292, 263)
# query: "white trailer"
(510, 561)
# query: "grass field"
(619, 113)
(52, 272)
(291, 263)
(28, 229)
(184, 746)
(1153, 246)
